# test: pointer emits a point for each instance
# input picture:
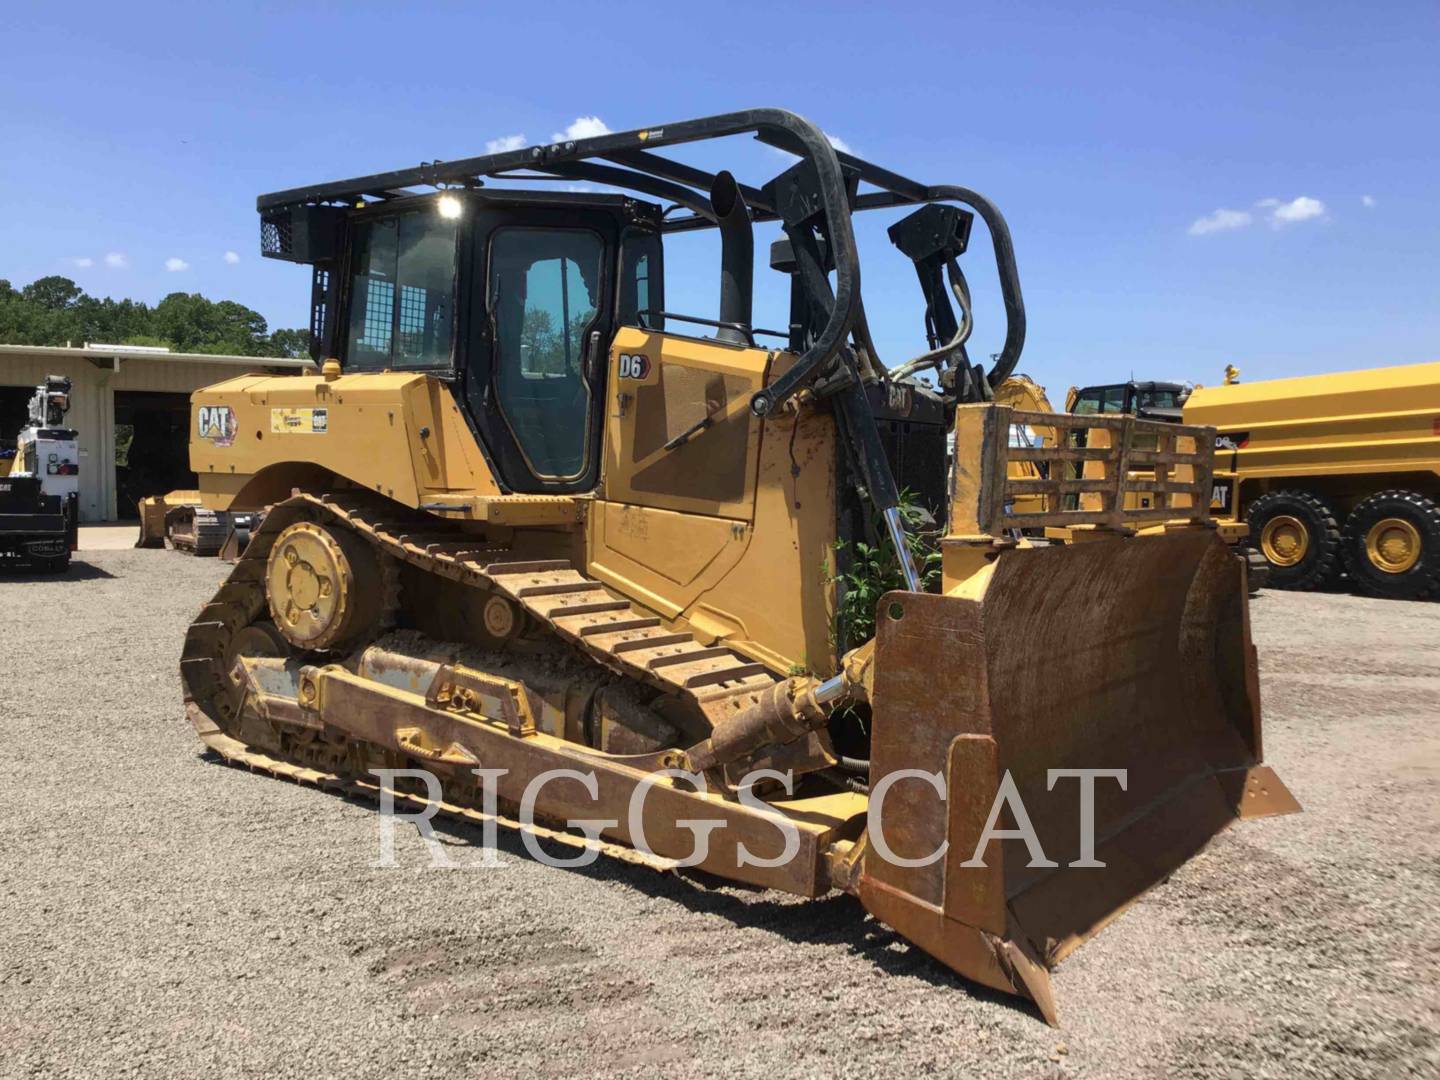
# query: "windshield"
(402, 285)
(1100, 399)
(1158, 399)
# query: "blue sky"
(143, 133)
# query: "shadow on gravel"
(78, 571)
(835, 920)
(1341, 585)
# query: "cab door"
(682, 453)
(681, 435)
(542, 304)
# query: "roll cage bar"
(627, 160)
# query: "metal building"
(131, 406)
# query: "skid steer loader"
(562, 547)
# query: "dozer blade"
(1123, 654)
(152, 522)
(153, 511)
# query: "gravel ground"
(164, 915)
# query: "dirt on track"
(165, 915)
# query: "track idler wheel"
(325, 587)
(260, 639)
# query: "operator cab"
(512, 296)
(1147, 400)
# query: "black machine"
(1148, 400)
(39, 489)
(34, 527)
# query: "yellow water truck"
(1332, 473)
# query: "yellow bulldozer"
(181, 520)
(581, 558)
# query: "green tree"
(542, 346)
(54, 310)
(292, 343)
(121, 321)
(196, 324)
(54, 293)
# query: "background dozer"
(181, 519)
(527, 518)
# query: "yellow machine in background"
(1158, 402)
(1022, 393)
(157, 516)
(528, 519)
(1333, 472)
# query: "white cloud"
(117, 260)
(1367, 201)
(584, 127)
(1277, 212)
(504, 143)
(1300, 208)
(174, 265)
(1220, 221)
(84, 262)
(232, 257)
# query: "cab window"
(1158, 399)
(544, 300)
(640, 280)
(402, 285)
(1100, 399)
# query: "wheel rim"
(1393, 545)
(1285, 540)
(312, 587)
(499, 617)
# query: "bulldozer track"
(596, 623)
(206, 531)
(239, 755)
(579, 610)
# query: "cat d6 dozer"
(585, 560)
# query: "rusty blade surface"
(1127, 654)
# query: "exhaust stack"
(737, 257)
